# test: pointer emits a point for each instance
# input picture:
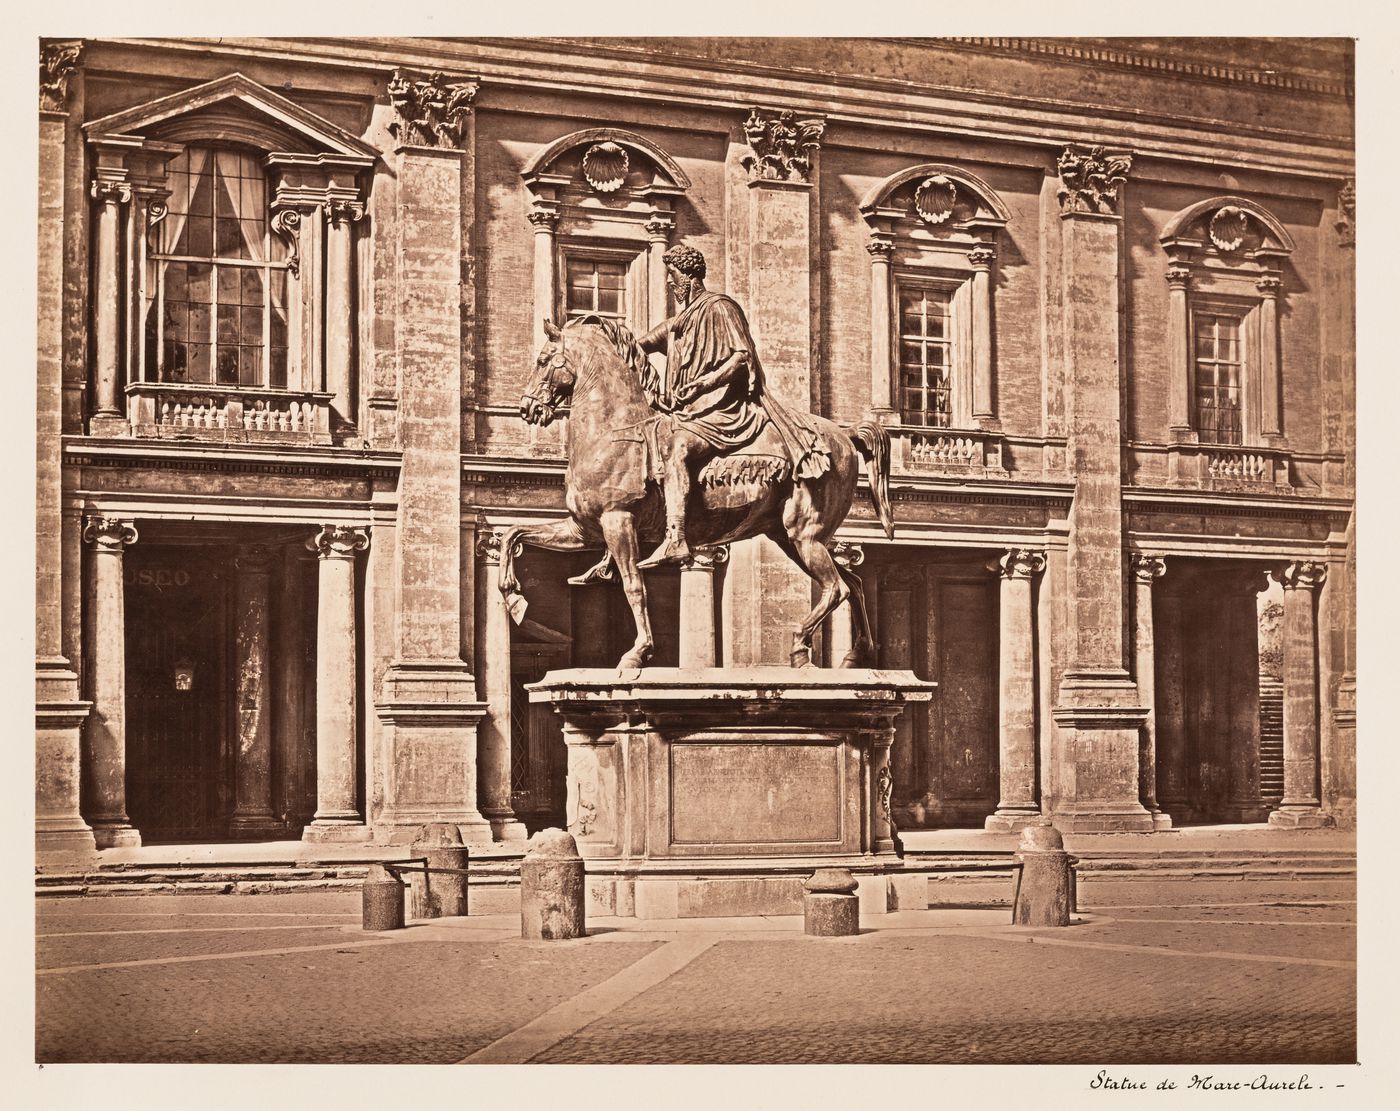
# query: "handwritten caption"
(1207, 1082)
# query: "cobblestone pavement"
(1167, 972)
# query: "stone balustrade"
(961, 451)
(167, 410)
(1228, 466)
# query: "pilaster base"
(255, 826)
(507, 828)
(1160, 821)
(1099, 727)
(404, 829)
(1011, 819)
(430, 716)
(109, 424)
(324, 831)
(116, 835)
(1245, 813)
(1300, 817)
(63, 841)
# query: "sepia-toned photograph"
(698, 550)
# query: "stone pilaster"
(697, 631)
(881, 249)
(112, 197)
(766, 595)
(252, 813)
(1146, 570)
(338, 816)
(59, 828)
(493, 639)
(1301, 807)
(1099, 710)
(982, 258)
(1169, 703)
(340, 318)
(1019, 803)
(427, 701)
(104, 769)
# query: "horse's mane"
(625, 344)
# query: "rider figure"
(714, 394)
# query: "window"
(1219, 361)
(216, 306)
(925, 356)
(595, 286)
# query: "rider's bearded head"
(685, 270)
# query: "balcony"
(227, 414)
(1229, 467)
(953, 451)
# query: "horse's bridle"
(558, 361)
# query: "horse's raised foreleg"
(620, 534)
(812, 556)
(557, 536)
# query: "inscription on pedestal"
(755, 793)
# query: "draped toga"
(729, 416)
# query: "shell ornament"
(605, 167)
(1228, 227)
(934, 199)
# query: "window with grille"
(1218, 378)
(216, 305)
(597, 286)
(926, 355)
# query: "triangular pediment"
(233, 107)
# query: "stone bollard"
(551, 888)
(1044, 894)
(439, 894)
(830, 907)
(382, 898)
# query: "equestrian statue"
(701, 456)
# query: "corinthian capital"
(1302, 575)
(57, 61)
(432, 111)
(1019, 563)
(784, 147)
(1089, 182)
(1147, 568)
(339, 541)
(109, 534)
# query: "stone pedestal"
(552, 888)
(706, 776)
(1099, 721)
(439, 894)
(830, 906)
(1045, 890)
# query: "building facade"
(1100, 292)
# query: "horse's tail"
(873, 443)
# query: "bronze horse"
(596, 367)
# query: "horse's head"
(552, 381)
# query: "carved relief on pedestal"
(784, 147)
(339, 541)
(57, 61)
(884, 788)
(431, 111)
(109, 534)
(1090, 182)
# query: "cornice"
(1070, 50)
(597, 68)
(90, 451)
(1292, 507)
